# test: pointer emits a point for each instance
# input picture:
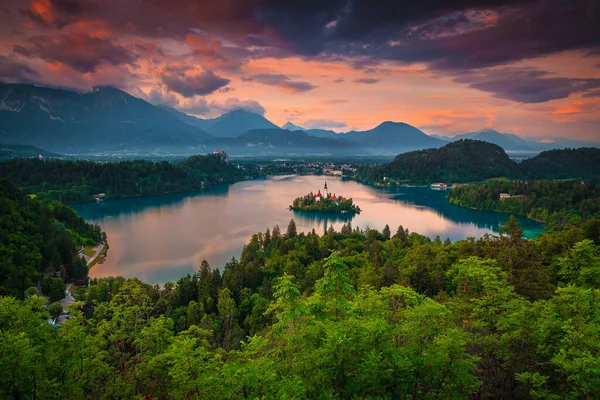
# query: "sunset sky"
(445, 66)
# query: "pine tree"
(386, 232)
(291, 229)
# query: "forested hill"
(581, 163)
(351, 314)
(77, 181)
(462, 161)
(37, 240)
(553, 202)
(470, 160)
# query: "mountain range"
(104, 118)
(513, 143)
(107, 119)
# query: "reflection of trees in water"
(323, 218)
(436, 202)
(137, 205)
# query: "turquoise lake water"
(159, 239)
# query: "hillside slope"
(462, 161)
(103, 119)
(563, 164)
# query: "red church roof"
(319, 194)
(333, 198)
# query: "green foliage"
(462, 161)
(472, 160)
(38, 240)
(554, 202)
(55, 309)
(581, 265)
(354, 314)
(78, 181)
(310, 203)
(579, 163)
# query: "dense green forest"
(553, 202)
(351, 314)
(472, 160)
(462, 161)
(77, 181)
(583, 163)
(37, 240)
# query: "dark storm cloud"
(452, 37)
(526, 85)
(192, 85)
(282, 81)
(448, 34)
(592, 94)
(79, 51)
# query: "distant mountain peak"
(290, 126)
(389, 124)
(505, 140)
(487, 130)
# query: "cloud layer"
(322, 57)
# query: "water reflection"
(322, 218)
(113, 208)
(162, 238)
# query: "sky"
(529, 67)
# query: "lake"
(159, 239)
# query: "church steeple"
(325, 190)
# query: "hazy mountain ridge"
(394, 135)
(512, 142)
(504, 140)
(109, 119)
(8, 151)
(106, 117)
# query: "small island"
(326, 202)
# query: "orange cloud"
(574, 108)
(94, 28)
(202, 45)
(42, 9)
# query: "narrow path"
(64, 303)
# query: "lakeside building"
(504, 196)
(439, 186)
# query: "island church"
(325, 195)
